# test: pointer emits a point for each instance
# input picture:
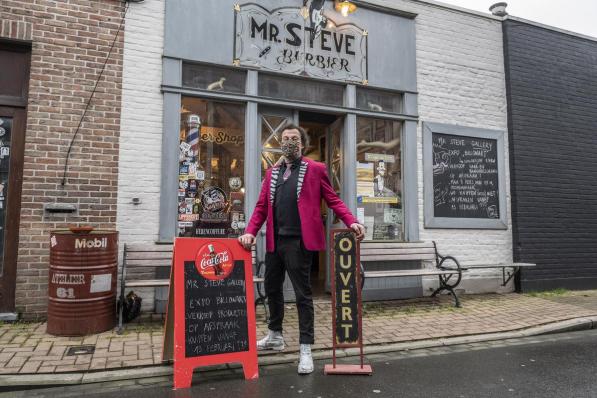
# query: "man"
(290, 201)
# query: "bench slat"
(407, 272)
(395, 245)
(396, 257)
(148, 263)
(393, 251)
(148, 283)
(133, 248)
(485, 266)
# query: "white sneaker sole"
(305, 371)
(272, 348)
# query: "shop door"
(271, 122)
(14, 81)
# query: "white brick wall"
(460, 72)
(141, 125)
(461, 80)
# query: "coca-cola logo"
(214, 261)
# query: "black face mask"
(291, 150)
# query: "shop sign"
(220, 136)
(375, 157)
(211, 316)
(283, 40)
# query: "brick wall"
(70, 41)
(552, 83)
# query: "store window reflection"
(379, 178)
(211, 187)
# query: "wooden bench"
(151, 255)
(507, 275)
(446, 268)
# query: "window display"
(379, 178)
(211, 169)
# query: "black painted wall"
(551, 80)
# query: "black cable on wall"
(120, 26)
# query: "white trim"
(437, 4)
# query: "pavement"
(550, 366)
(30, 356)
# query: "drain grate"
(80, 350)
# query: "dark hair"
(304, 136)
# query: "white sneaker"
(305, 360)
(273, 341)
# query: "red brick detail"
(70, 41)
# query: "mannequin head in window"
(294, 141)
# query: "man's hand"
(247, 240)
(359, 230)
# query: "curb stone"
(56, 379)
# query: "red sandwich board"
(211, 316)
(347, 309)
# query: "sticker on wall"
(182, 208)
(213, 199)
(4, 151)
(101, 283)
(183, 184)
(185, 224)
(193, 170)
(236, 201)
(235, 183)
(200, 175)
(213, 218)
(188, 217)
(183, 169)
(182, 193)
(2, 131)
(392, 216)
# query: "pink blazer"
(313, 185)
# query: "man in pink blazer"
(290, 202)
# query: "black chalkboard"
(215, 312)
(465, 177)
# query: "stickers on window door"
(4, 151)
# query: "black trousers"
(290, 255)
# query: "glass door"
(271, 122)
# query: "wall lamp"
(344, 7)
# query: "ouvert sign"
(283, 40)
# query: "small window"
(212, 78)
(301, 90)
(379, 101)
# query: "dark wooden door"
(12, 140)
(14, 81)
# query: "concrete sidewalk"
(26, 349)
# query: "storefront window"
(287, 88)
(213, 79)
(379, 178)
(211, 187)
(379, 101)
